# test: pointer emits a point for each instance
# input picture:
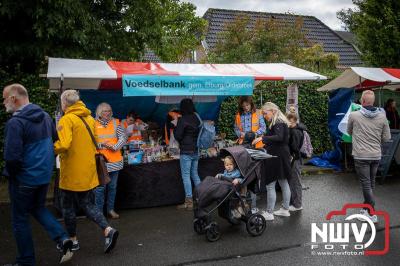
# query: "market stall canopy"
(365, 77)
(109, 75)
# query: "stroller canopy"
(248, 167)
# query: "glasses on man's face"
(5, 99)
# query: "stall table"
(160, 183)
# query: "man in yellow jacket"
(78, 175)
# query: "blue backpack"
(206, 134)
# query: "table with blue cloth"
(160, 183)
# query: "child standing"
(295, 142)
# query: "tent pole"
(58, 111)
(61, 83)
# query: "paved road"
(164, 236)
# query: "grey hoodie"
(369, 128)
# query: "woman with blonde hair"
(110, 137)
(277, 144)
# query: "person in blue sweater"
(29, 161)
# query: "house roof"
(316, 32)
(347, 36)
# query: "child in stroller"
(233, 174)
(225, 192)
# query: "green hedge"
(313, 109)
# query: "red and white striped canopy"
(365, 77)
(96, 74)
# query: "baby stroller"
(227, 197)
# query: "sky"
(324, 10)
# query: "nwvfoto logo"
(336, 235)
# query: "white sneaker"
(293, 208)
(373, 218)
(236, 213)
(267, 216)
(254, 210)
(241, 211)
(282, 212)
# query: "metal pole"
(58, 111)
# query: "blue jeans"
(26, 200)
(271, 195)
(110, 189)
(189, 164)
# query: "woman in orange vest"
(249, 119)
(110, 137)
(133, 126)
(173, 115)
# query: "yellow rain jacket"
(76, 149)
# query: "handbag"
(101, 160)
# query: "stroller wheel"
(212, 232)
(199, 225)
(256, 224)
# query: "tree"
(376, 25)
(278, 40)
(97, 29)
(182, 32)
(235, 44)
(265, 40)
(93, 29)
(315, 59)
(270, 40)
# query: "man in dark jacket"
(295, 142)
(29, 160)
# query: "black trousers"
(85, 201)
(366, 171)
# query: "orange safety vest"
(136, 134)
(108, 134)
(174, 115)
(255, 125)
